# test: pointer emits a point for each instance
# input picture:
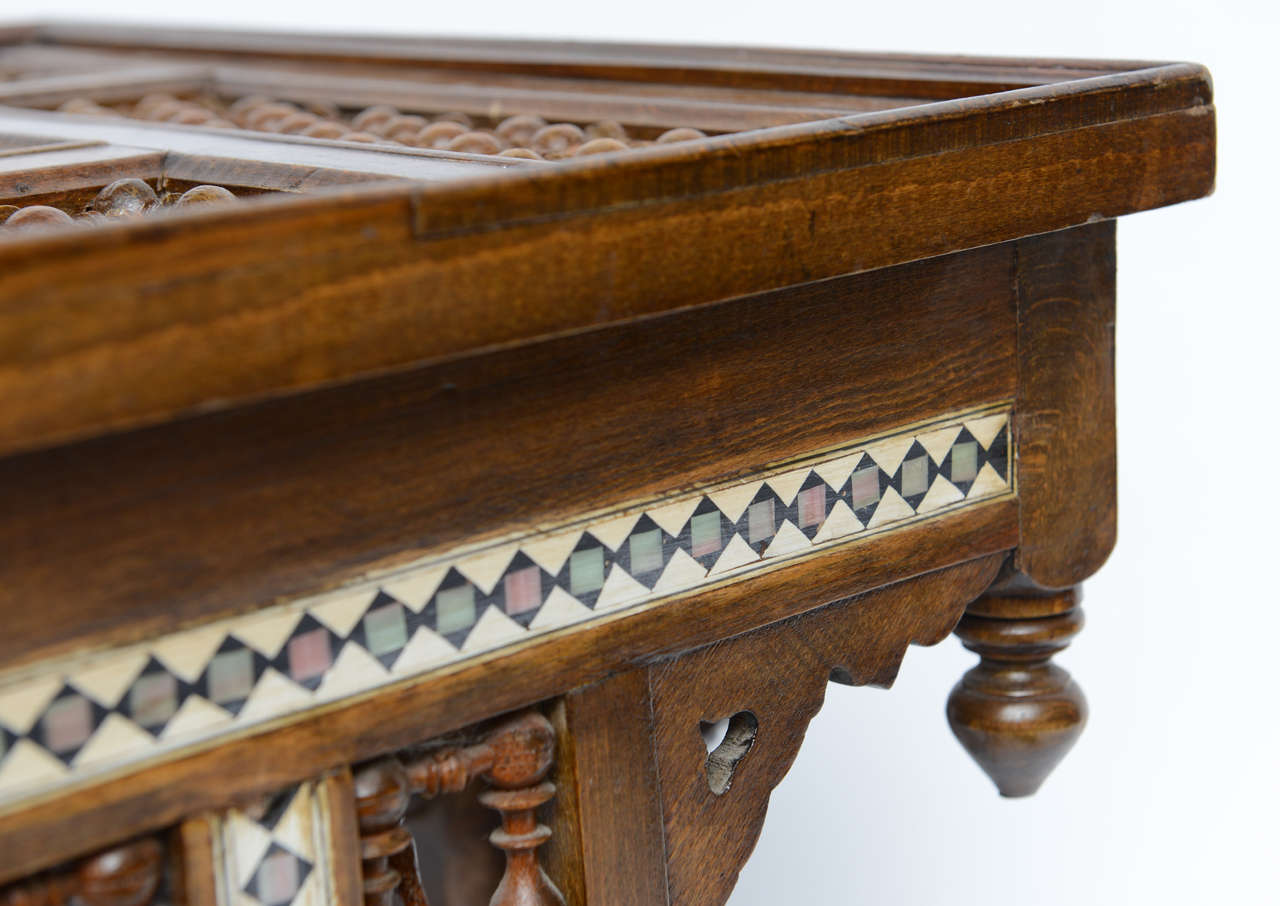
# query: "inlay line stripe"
(66, 720)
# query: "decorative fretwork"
(513, 758)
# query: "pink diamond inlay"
(813, 506)
(309, 654)
(523, 589)
(864, 487)
(68, 723)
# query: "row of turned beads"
(123, 199)
(523, 135)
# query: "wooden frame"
(217, 415)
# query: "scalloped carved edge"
(779, 673)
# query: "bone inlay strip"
(276, 852)
(61, 722)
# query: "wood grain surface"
(1065, 416)
(646, 826)
(608, 845)
(396, 351)
(431, 271)
(142, 532)
(271, 757)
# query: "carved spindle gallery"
(387, 857)
(513, 757)
(1016, 713)
(522, 751)
(125, 875)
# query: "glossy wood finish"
(273, 757)
(386, 352)
(643, 784)
(598, 418)
(813, 201)
(1066, 416)
(1017, 713)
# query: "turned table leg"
(1016, 712)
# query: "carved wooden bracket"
(641, 731)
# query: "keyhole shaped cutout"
(728, 741)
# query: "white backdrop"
(1172, 794)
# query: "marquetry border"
(64, 721)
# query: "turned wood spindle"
(513, 758)
(522, 748)
(387, 856)
(1016, 712)
(125, 875)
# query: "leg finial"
(1016, 713)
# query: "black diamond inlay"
(997, 455)
(645, 552)
(915, 475)
(865, 487)
(705, 534)
(67, 723)
(231, 674)
(277, 806)
(7, 741)
(583, 574)
(385, 628)
(812, 504)
(154, 697)
(454, 609)
(762, 518)
(308, 654)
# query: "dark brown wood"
(535, 434)
(813, 201)
(397, 343)
(524, 881)
(125, 875)
(513, 757)
(1065, 413)
(773, 681)
(1017, 713)
(608, 832)
(268, 759)
(382, 793)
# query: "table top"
(876, 159)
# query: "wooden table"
(563, 424)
